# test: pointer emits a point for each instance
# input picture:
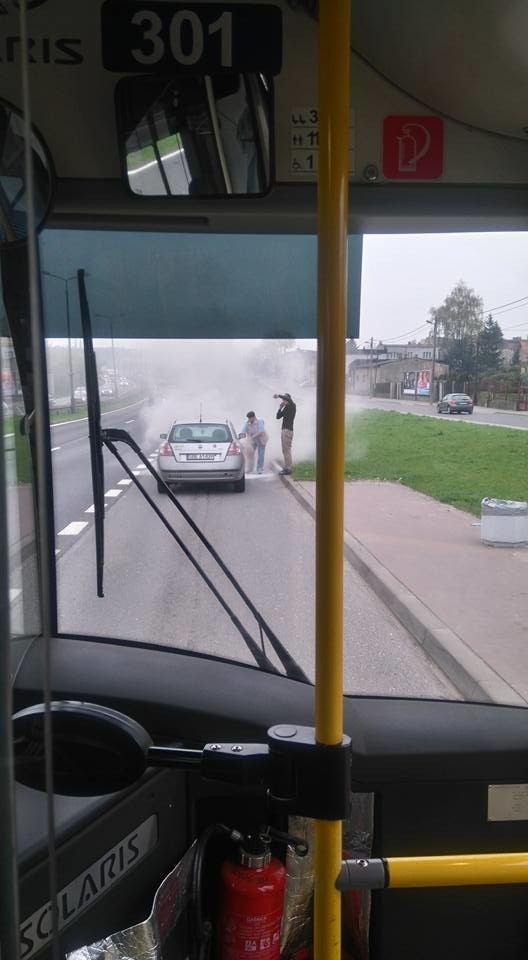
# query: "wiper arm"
(259, 655)
(97, 438)
(113, 435)
(94, 426)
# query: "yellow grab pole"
(334, 73)
(453, 871)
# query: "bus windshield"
(418, 622)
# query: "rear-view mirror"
(195, 135)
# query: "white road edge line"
(154, 163)
(65, 423)
(73, 528)
(53, 449)
(124, 483)
(113, 493)
(14, 592)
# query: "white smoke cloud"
(222, 379)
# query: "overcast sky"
(403, 276)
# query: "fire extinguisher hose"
(203, 928)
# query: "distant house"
(407, 351)
(509, 348)
(400, 351)
(523, 360)
(300, 367)
(409, 376)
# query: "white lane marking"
(73, 528)
(129, 421)
(90, 509)
(154, 163)
(53, 449)
(139, 466)
(65, 423)
(137, 473)
(113, 493)
(124, 483)
(57, 553)
(14, 593)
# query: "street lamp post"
(65, 281)
(434, 323)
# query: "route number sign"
(209, 38)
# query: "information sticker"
(304, 141)
(507, 801)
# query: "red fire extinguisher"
(251, 902)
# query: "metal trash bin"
(504, 523)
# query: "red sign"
(413, 147)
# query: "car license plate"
(200, 456)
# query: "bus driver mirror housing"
(195, 135)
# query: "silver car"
(201, 452)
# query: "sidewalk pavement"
(464, 602)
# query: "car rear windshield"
(200, 433)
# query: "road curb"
(469, 673)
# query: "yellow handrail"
(334, 72)
(457, 870)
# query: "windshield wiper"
(114, 435)
(94, 427)
(98, 437)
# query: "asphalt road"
(152, 593)
(147, 179)
(482, 415)
(71, 462)
(72, 480)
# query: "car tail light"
(166, 450)
(452, 403)
(234, 450)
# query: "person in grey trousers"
(286, 413)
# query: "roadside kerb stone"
(471, 675)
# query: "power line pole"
(475, 391)
(371, 364)
(432, 390)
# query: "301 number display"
(162, 37)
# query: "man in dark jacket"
(286, 413)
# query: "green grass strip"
(146, 154)
(453, 462)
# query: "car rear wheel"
(240, 485)
(161, 487)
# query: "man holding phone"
(286, 413)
